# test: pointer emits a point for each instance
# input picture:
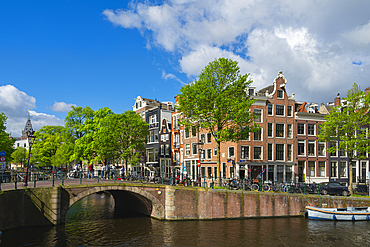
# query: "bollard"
(80, 178)
(98, 178)
(53, 179)
(15, 184)
(34, 183)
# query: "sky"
(58, 54)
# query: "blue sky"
(54, 54)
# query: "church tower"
(27, 128)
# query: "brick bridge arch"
(127, 197)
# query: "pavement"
(49, 183)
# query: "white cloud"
(61, 107)
(315, 43)
(171, 76)
(15, 104)
(360, 34)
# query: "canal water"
(93, 222)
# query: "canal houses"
(158, 116)
(311, 155)
(285, 149)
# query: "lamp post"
(31, 139)
(200, 145)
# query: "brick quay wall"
(227, 204)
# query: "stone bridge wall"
(43, 206)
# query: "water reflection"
(93, 221)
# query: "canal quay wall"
(49, 205)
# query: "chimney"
(337, 100)
(367, 90)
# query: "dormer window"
(280, 94)
(251, 91)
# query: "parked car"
(333, 188)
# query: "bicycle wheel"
(255, 187)
(266, 187)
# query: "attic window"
(280, 94)
(251, 91)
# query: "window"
(321, 168)
(280, 94)
(269, 129)
(311, 129)
(150, 155)
(209, 172)
(311, 168)
(257, 136)
(152, 119)
(246, 136)
(167, 149)
(257, 153)
(231, 152)
(156, 154)
(187, 149)
(289, 131)
(342, 152)
(321, 148)
(334, 169)
(279, 130)
(202, 154)
(257, 115)
(289, 152)
(187, 135)
(279, 110)
(209, 153)
(215, 151)
(269, 109)
(244, 152)
(301, 147)
(193, 132)
(311, 148)
(209, 137)
(300, 128)
(290, 113)
(215, 172)
(269, 151)
(279, 151)
(224, 170)
(333, 144)
(194, 147)
(251, 91)
(343, 169)
(203, 138)
(162, 149)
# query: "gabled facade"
(158, 116)
(312, 158)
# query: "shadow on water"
(94, 221)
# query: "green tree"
(74, 123)
(20, 155)
(47, 141)
(6, 143)
(347, 124)
(217, 102)
(121, 136)
(86, 146)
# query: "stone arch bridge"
(49, 205)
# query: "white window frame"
(276, 108)
(304, 128)
(272, 130)
(261, 158)
(304, 147)
(242, 153)
(277, 94)
(314, 148)
(276, 132)
(209, 153)
(276, 144)
(314, 129)
(272, 109)
(291, 111)
(324, 150)
(187, 149)
(258, 109)
(228, 152)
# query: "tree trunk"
(350, 177)
(218, 183)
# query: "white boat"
(349, 213)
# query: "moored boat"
(348, 213)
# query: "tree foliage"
(217, 101)
(20, 155)
(348, 123)
(6, 143)
(121, 136)
(46, 144)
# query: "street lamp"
(31, 139)
(200, 145)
